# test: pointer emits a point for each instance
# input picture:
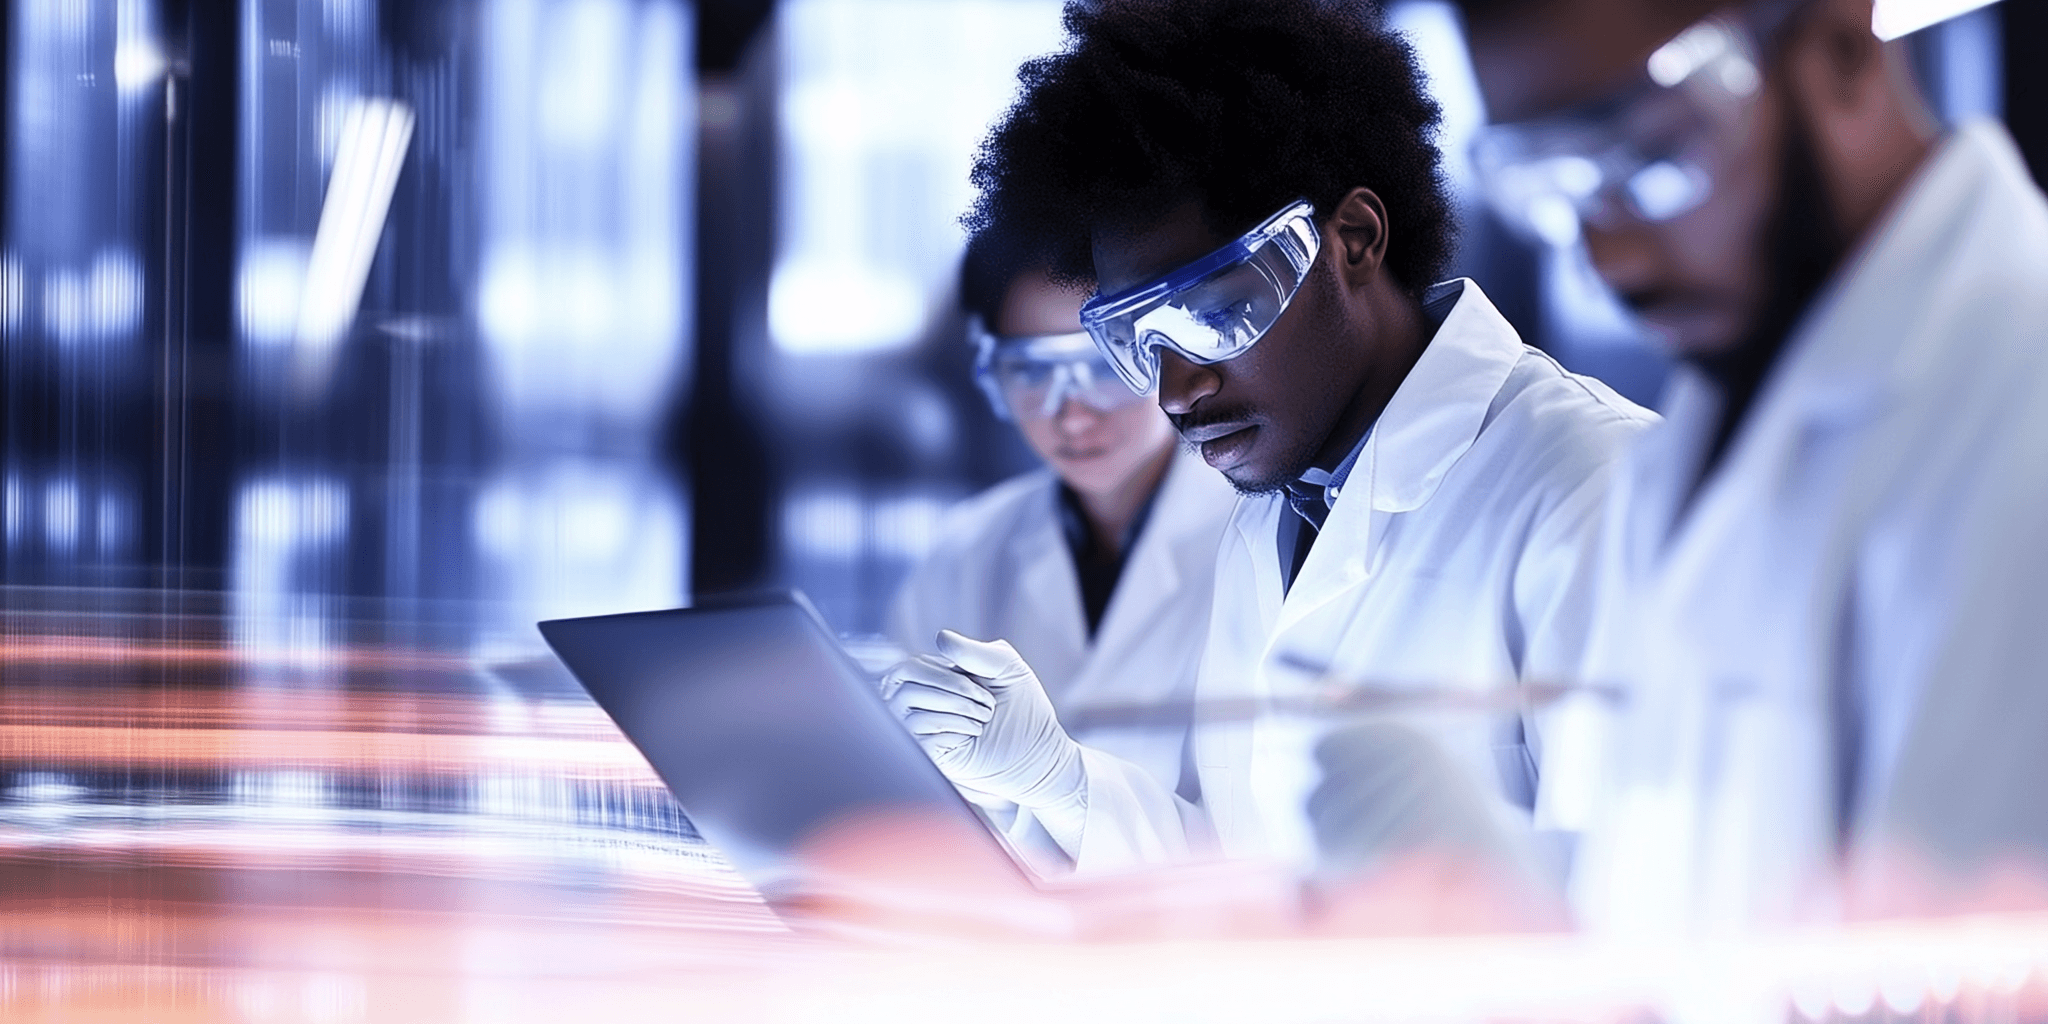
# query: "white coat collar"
(1439, 409)
(1178, 536)
(1867, 338)
(1045, 565)
(1432, 421)
(1155, 557)
(1862, 343)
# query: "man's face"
(1699, 280)
(1264, 417)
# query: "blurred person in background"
(1825, 572)
(1256, 188)
(1097, 569)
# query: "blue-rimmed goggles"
(1033, 376)
(1212, 309)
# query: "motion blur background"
(660, 302)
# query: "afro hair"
(1239, 105)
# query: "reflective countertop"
(392, 816)
(197, 827)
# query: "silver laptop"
(759, 722)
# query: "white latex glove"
(984, 718)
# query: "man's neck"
(1400, 333)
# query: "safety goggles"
(1212, 309)
(1026, 377)
(1649, 154)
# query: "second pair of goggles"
(1210, 310)
(1649, 154)
(1032, 377)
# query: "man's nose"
(1184, 383)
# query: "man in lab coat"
(1825, 569)
(1255, 187)
(1098, 568)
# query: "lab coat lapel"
(1230, 669)
(1431, 422)
(1882, 327)
(1046, 574)
(1864, 340)
(1178, 537)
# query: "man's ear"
(1358, 230)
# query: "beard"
(1802, 244)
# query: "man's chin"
(1261, 474)
(1252, 481)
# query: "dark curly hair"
(1241, 105)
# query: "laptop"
(762, 726)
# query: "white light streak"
(279, 514)
(825, 523)
(281, 789)
(111, 523)
(61, 514)
(1554, 221)
(904, 527)
(1695, 48)
(16, 511)
(1894, 18)
(1664, 189)
(100, 303)
(1740, 77)
(279, 523)
(45, 788)
(884, 103)
(582, 537)
(584, 67)
(375, 134)
(137, 66)
(844, 307)
(138, 61)
(268, 284)
(11, 293)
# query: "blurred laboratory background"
(483, 311)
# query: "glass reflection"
(86, 109)
(880, 107)
(460, 303)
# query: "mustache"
(1186, 421)
(1651, 299)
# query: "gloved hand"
(982, 715)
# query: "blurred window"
(883, 104)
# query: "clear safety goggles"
(1035, 376)
(1649, 154)
(1212, 309)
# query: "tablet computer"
(765, 730)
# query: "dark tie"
(1298, 532)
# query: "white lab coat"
(1842, 645)
(1002, 569)
(1458, 554)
